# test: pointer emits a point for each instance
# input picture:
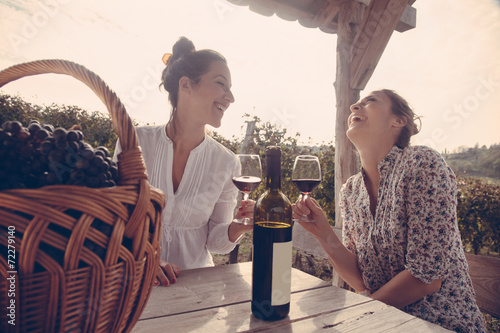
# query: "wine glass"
(306, 176)
(249, 177)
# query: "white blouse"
(196, 218)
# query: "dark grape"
(47, 146)
(87, 153)
(23, 134)
(97, 161)
(4, 134)
(114, 171)
(72, 136)
(92, 171)
(12, 126)
(34, 127)
(105, 166)
(48, 127)
(92, 182)
(61, 145)
(51, 178)
(42, 134)
(56, 155)
(15, 127)
(77, 175)
(37, 167)
(82, 163)
(26, 152)
(39, 155)
(102, 177)
(73, 145)
(60, 134)
(104, 150)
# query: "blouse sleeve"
(222, 215)
(431, 208)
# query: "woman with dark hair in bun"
(401, 242)
(192, 169)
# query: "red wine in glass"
(248, 178)
(306, 186)
(306, 176)
(246, 184)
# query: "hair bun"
(181, 47)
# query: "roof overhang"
(321, 14)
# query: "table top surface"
(217, 299)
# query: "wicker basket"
(61, 284)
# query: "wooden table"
(217, 299)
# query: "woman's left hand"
(237, 229)
(167, 273)
(245, 210)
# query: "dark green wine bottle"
(272, 245)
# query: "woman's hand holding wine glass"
(306, 176)
(248, 179)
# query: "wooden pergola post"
(363, 29)
(362, 36)
(346, 162)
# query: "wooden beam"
(408, 19)
(346, 162)
(263, 7)
(317, 13)
(326, 14)
(379, 21)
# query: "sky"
(448, 67)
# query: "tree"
(478, 209)
(96, 127)
(478, 214)
(15, 108)
(267, 134)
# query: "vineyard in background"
(478, 168)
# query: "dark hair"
(401, 108)
(185, 61)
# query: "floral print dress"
(414, 228)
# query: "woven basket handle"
(132, 169)
(121, 120)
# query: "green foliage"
(15, 108)
(325, 193)
(478, 161)
(96, 127)
(478, 213)
(478, 208)
(267, 134)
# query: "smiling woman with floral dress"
(401, 242)
(192, 169)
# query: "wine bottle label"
(282, 271)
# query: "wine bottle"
(272, 245)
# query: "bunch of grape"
(40, 155)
